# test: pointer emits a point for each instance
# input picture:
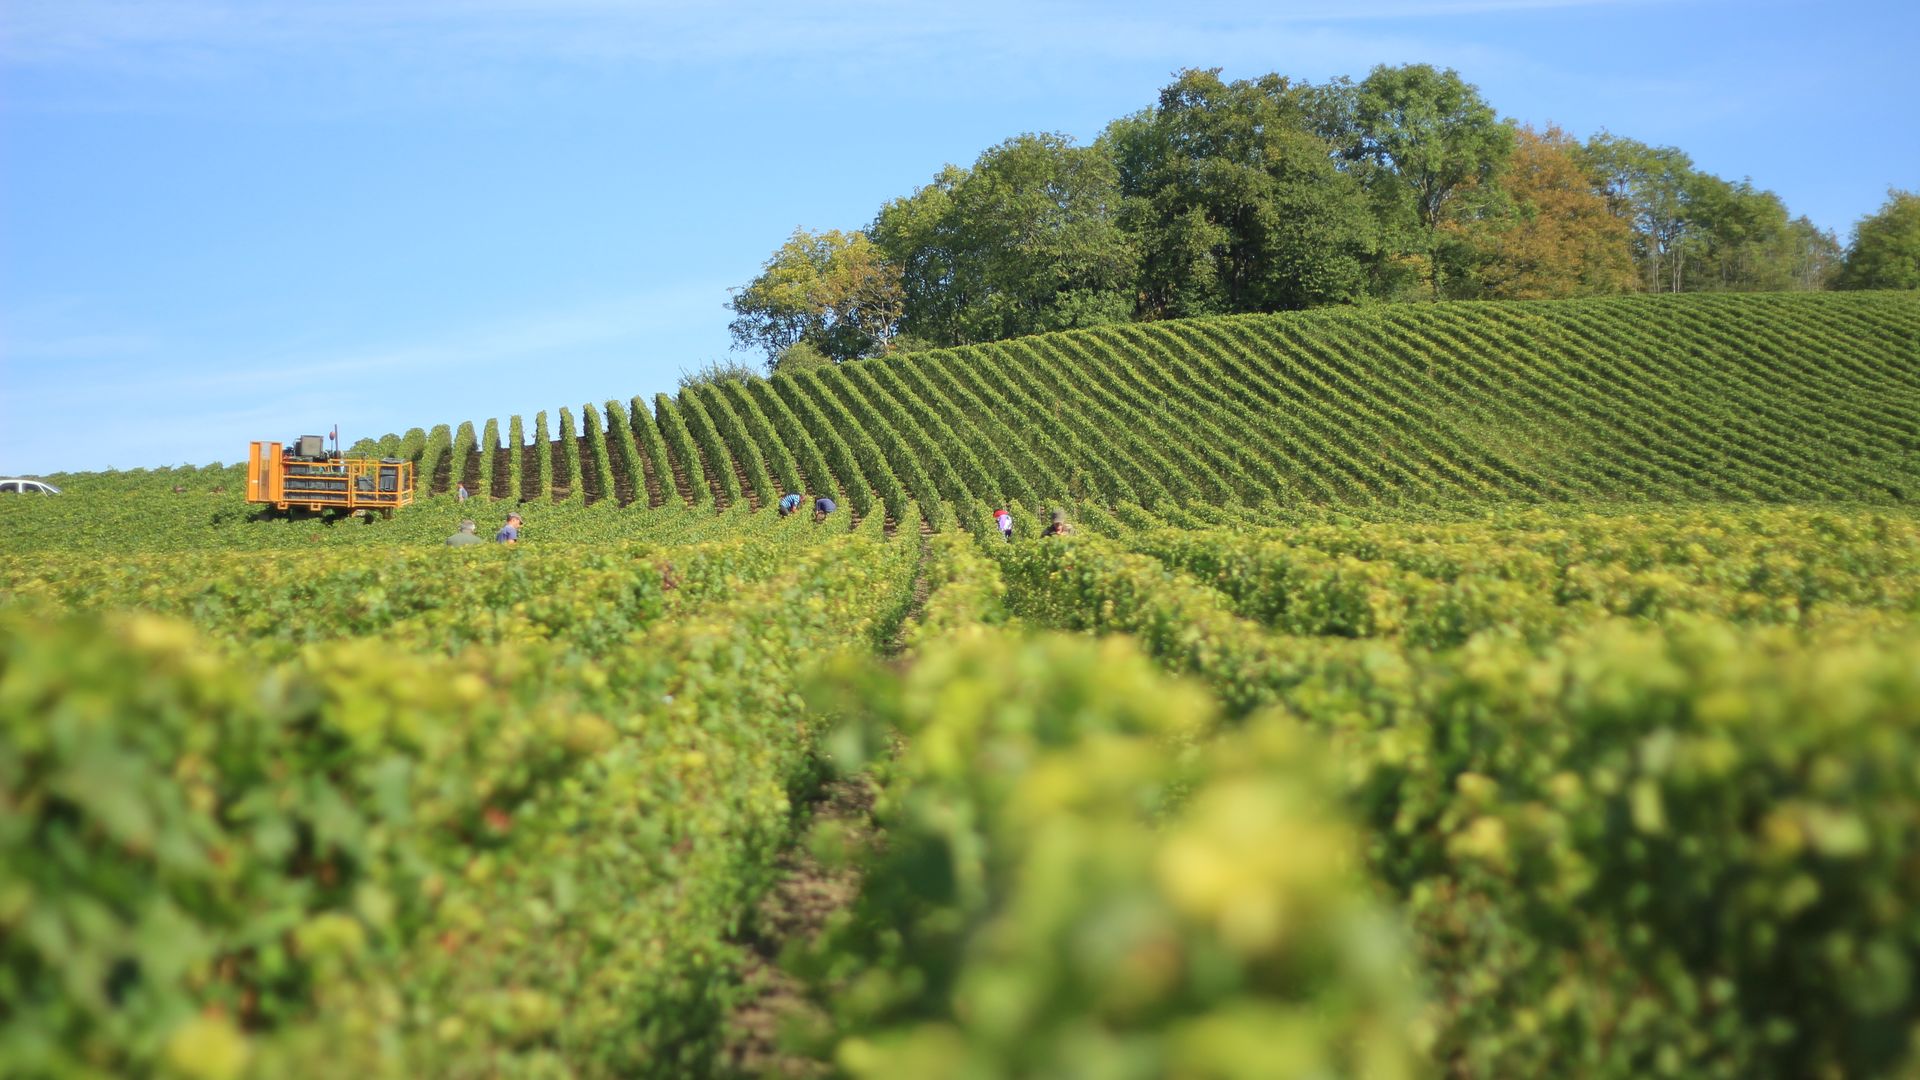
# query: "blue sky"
(223, 221)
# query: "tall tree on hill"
(1885, 252)
(1434, 149)
(912, 233)
(833, 291)
(1814, 255)
(1560, 240)
(1694, 231)
(1235, 201)
(1026, 241)
(1647, 187)
(1744, 241)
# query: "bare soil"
(794, 912)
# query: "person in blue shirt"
(510, 532)
(822, 506)
(789, 503)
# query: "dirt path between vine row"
(803, 898)
(806, 894)
(921, 589)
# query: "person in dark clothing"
(510, 532)
(789, 503)
(465, 536)
(822, 506)
(1059, 526)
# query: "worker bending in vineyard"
(1059, 526)
(789, 503)
(822, 506)
(1004, 522)
(466, 535)
(510, 532)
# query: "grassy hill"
(1769, 397)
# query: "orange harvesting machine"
(305, 475)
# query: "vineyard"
(1456, 689)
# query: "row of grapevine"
(465, 468)
(537, 465)
(513, 461)
(628, 479)
(1068, 880)
(721, 473)
(569, 480)
(434, 464)
(653, 449)
(488, 451)
(597, 466)
(689, 474)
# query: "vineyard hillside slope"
(1746, 397)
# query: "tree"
(912, 233)
(1815, 256)
(1235, 201)
(1561, 239)
(1430, 139)
(835, 291)
(1693, 231)
(714, 372)
(1647, 187)
(799, 357)
(1028, 240)
(1743, 240)
(1885, 252)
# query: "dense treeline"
(1268, 195)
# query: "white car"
(27, 487)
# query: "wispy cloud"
(502, 346)
(187, 31)
(79, 346)
(183, 405)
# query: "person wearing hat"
(1004, 522)
(510, 532)
(465, 536)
